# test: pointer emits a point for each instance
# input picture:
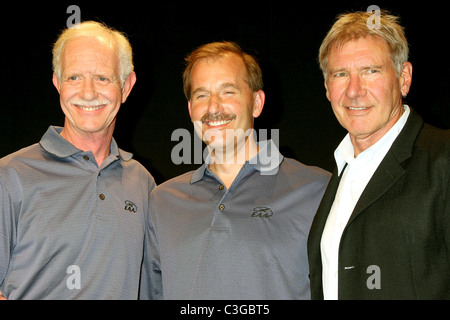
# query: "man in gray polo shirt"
(237, 227)
(73, 207)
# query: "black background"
(284, 35)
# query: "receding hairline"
(116, 39)
(216, 50)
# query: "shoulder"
(136, 172)
(18, 167)
(436, 135)
(434, 142)
(296, 169)
(181, 183)
(29, 151)
(136, 165)
(19, 158)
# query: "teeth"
(90, 108)
(352, 108)
(218, 123)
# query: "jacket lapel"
(326, 203)
(391, 168)
(383, 179)
(316, 234)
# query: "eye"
(372, 71)
(102, 80)
(228, 92)
(200, 96)
(73, 78)
(340, 74)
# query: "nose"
(356, 88)
(214, 105)
(88, 91)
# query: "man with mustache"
(382, 230)
(73, 207)
(236, 228)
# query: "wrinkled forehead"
(90, 50)
(368, 42)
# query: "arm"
(151, 278)
(446, 215)
(7, 231)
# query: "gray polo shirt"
(245, 242)
(68, 228)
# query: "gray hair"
(352, 26)
(93, 28)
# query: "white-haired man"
(73, 206)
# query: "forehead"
(228, 67)
(88, 51)
(362, 50)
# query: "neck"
(363, 143)
(226, 165)
(98, 143)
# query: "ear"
(128, 85)
(189, 108)
(258, 102)
(56, 83)
(326, 88)
(406, 78)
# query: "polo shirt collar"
(54, 143)
(267, 161)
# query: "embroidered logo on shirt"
(130, 206)
(262, 212)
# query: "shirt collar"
(267, 161)
(344, 153)
(54, 143)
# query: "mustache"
(217, 116)
(89, 103)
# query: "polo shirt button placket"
(101, 195)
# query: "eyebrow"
(221, 87)
(229, 85)
(374, 66)
(200, 89)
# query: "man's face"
(90, 88)
(222, 101)
(364, 89)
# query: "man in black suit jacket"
(382, 230)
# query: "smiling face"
(364, 89)
(222, 101)
(90, 89)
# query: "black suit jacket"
(401, 223)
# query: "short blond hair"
(216, 50)
(96, 29)
(353, 26)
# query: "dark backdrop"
(284, 35)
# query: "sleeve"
(151, 277)
(446, 213)
(7, 231)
